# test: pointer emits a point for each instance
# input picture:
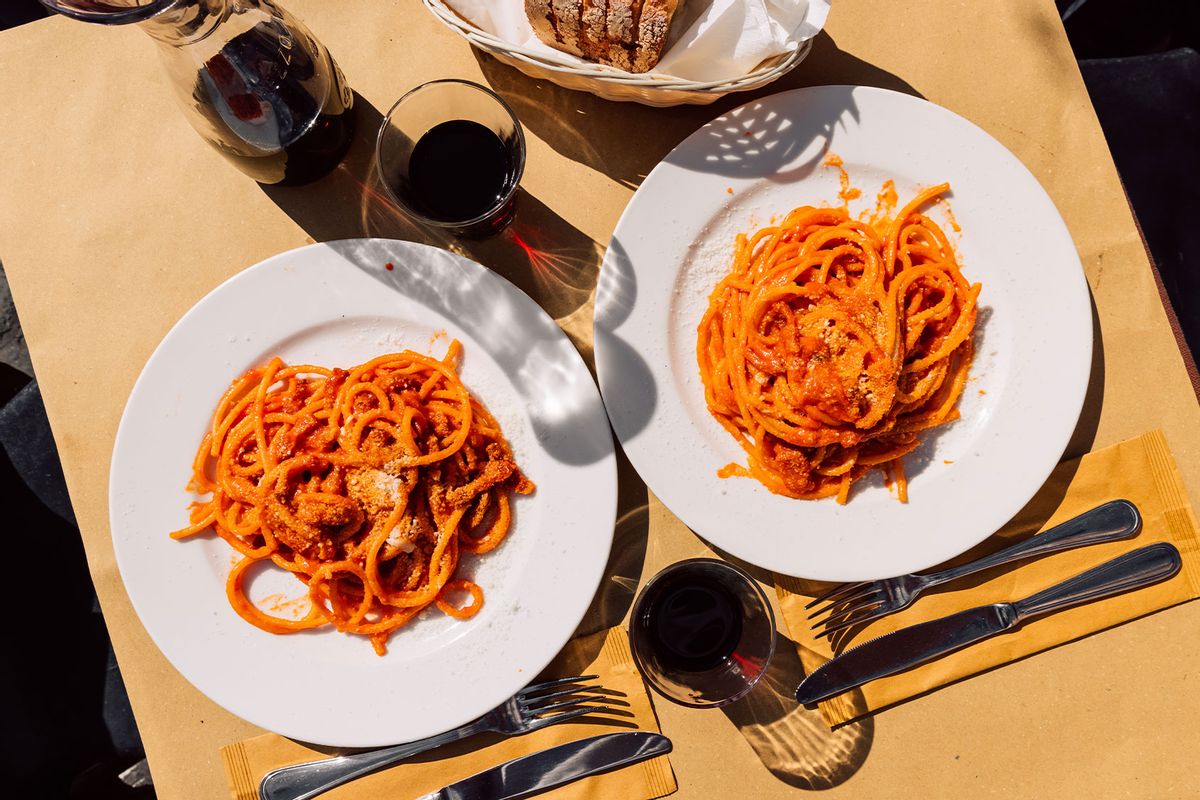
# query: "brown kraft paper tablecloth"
(115, 218)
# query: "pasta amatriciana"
(833, 342)
(366, 484)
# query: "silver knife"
(548, 769)
(908, 647)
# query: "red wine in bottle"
(282, 100)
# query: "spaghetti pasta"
(833, 342)
(366, 484)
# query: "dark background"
(68, 730)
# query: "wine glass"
(702, 633)
(451, 154)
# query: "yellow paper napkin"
(605, 654)
(1140, 470)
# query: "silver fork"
(856, 603)
(523, 713)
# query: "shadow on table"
(626, 140)
(793, 742)
(626, 560)
(541, 253)
(1089, 418)
(627, 380)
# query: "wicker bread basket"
(612, 83)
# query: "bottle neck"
(186, 22)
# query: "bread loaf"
(629, 34)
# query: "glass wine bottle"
(254, 82)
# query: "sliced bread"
(594, 30)
(653, 26)
(628, 34)
(568, 15)
(623, 31)
(541, 18)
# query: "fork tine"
(841, 588)
(555, 706)
(842, 614)
(537, 687)
(554, 719)
(831, 609)
(873, 614)
(529, 702)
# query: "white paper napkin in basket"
(711, 40)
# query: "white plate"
(674, 243)
(335, 304)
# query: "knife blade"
(900, 650)
(548, 769)
(897, 651)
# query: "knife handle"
(307, 780)
(1134, 570)
(1110, 522)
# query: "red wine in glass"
(450, 154)
(458, 171)
(693, 622)
(702, 632)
